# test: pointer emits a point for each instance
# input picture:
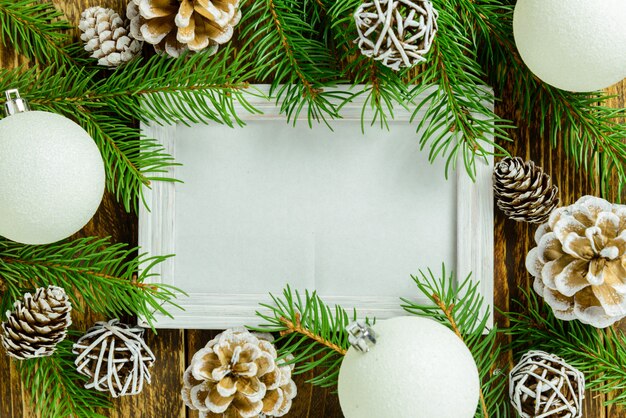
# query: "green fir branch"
(58, 388)
(462, 309)
(36, 30)
(103, 274)
(591, 132)
(310, 331)
(599, 353)
(285, 48)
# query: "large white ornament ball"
(576, 45)
(417, 369)
(51, 177)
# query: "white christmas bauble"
(417, 369)
(576, 45)
(51, 177)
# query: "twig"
(298, 328)
(447, 311)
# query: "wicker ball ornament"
(115, 358)
(106, 36)
(37, 323)
(579, 264)
(544, 385)
(238, 374)
(523, 191)
(399, 33)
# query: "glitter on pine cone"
(37, 323)
(238, 374)
(399, 33)
(579, 263)
(544, 385)
(115, 358)
(523, 191)
(176, 26)
(106, 36)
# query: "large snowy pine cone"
(579, 263)
(174, 26)
(37, 323)
(106, 36)
(238, 374)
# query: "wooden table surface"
(173, 348)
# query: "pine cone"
(545, 384)
(397, 33)
(579, 263)
(523, 191)
(237, 374)
(37, 324)
(177, 25)
(106, 36)
(115, 358)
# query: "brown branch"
(312, 91)
(298, 328)
(447, 311)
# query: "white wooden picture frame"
(200, 219)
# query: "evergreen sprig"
(37, 30)
(58, 388)
(583, 124)
(287, 51)
(599, 353)
(94, 273)
(310, 331)
(462, 309)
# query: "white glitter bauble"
(51, 177)
(417, 369)
(576, 45)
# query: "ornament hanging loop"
(361, 336)
(15, 103)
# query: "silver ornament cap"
(15, 103)
(361, 336)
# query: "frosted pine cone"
(579, 263)
(523, 191)
(37, 324)
(106, 36)
(399, 33)
(237, 374)
(179, 25)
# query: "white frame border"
(475, 236)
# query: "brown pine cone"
(37, 323)
(174, 26)
(238, 374)
(106, 36)
(523, 191)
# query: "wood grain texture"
(174, 348)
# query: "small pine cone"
(114, 357)
(106, 36)
(176, 26)
(523, 191)
(37, 324)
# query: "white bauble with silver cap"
(575, 45)
(51, 175)
(416, 368)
